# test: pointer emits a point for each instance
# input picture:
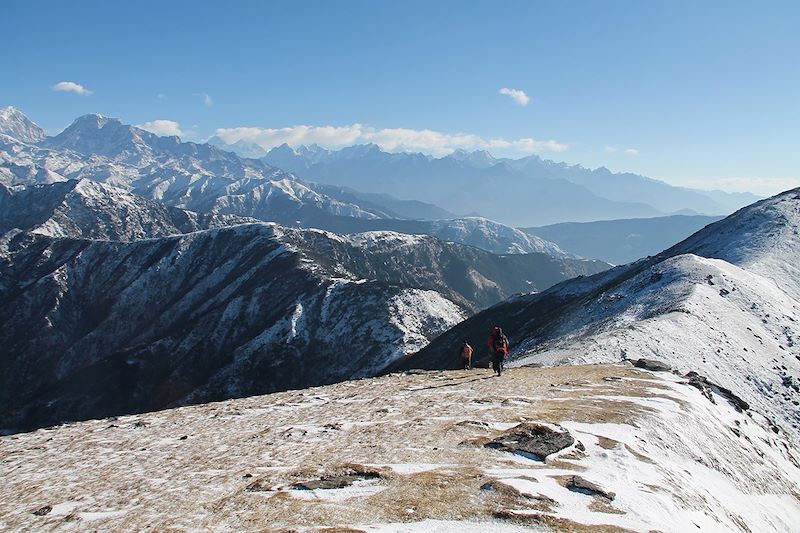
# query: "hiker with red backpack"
(498, 348)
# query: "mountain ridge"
(229, 311)
(725, 302)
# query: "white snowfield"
(406, 452)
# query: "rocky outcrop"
(654, 365)
(535, 440)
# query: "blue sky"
(698, 93)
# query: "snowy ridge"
(700, 314)
(86, 209)
(386, 240)
(190, 318)
(493, 236)
(724, 303)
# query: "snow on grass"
(448, 526)
(674, 460)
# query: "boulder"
(579, 484)
(533, 439)
(653, 365)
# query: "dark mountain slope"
(92, 328)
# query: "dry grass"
(606, 443)
(363, 427)
(600, 505)
(559, 525)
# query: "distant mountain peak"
(360, 150)
(8, 112)
(310, 150)
(14, 123)
(283, 149)
(93, 120)
(476, 158)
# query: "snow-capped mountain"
(197, 177)
(241, 148)
(15, 124)
(86, 209)
(205, 179)
(725, 303)
(489, 235)
(524, 192)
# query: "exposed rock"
(579, 484)
(534, 439)
(340, 481)
(41, 511)
(653, 365)
(707, 387)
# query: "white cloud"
(632, 151)
(161, 96)
(72, 87)
(518, 95)
(531, 146)
(610, 150)
(389, 139)
(207, 100)
(162, 127)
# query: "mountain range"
(109, 278)
(522, 192)
(114, 233)
(205, 179)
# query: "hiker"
(498, 348)
(466, 355)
